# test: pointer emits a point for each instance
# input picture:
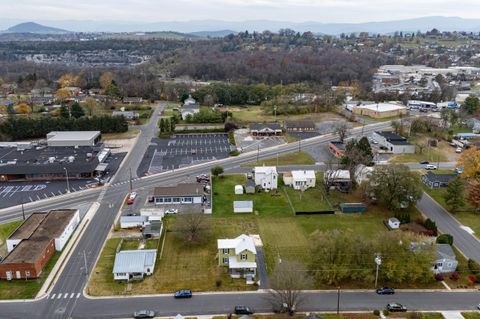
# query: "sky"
(145, 11)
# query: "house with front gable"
(239, 255)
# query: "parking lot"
(182, 150)
(16, 193)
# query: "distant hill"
(212, 34)
(32, 27)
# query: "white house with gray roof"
(134, 264)
(445, 259)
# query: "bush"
(218, 282)
(472, 279)
(386, 312)
(234, 153)
(445, 239)
(455, 276)
(376, 312)
(439, 277)
(404, 218)
(473, 266)
(431, 225)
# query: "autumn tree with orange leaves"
(470, 160)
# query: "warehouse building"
(380, 110)
(34, 242)
(73, 138)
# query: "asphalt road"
(463, 240)
(65, 299)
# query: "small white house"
(445, 259)
(238, 189)
(300, 179)
(134, 264)
(243, 206)
(393, 223)
(266, 177)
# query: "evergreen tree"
(455, 195)
(64, 111)
(77, 111)
(162, 125)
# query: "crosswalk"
(65, 295)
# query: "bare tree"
(288, 281)
(192, 227)
(341, 129)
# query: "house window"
(225, 260)
(243, 257)
(159, 200)
(188, 199)
(226, 251)
(176, 199)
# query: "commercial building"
(265, 129)
(33, 243)
(337, 148)
(73, 138)
(187, 193)
(393, 143)
(134, 264)
(300, 126)
(380, 110)
(76, 154)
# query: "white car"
(458, 150)
(171, 211)
(133, 195)
(430, 166)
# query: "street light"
(338, 300)
(378, 261)
(68, 184)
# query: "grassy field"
(471, 315)
(131, 133)
(5, 231)
(297, 158)
(255, 113)
(312, 199)
(432, 156)
(26, 289)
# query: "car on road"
(185, 293)
(430, 167)
(385, 291)
(131, 198)
(458, 170)
(171, 211)
(243, 310)
(144, 314)
(424, 162)
(478, 306)
(396, 307)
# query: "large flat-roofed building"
(186, 193)
(33, 243)
(73, 138)
(51, 163)
(380, 110)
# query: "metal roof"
(243, 204)
(72, 135)
(186, 189)
(134, 261)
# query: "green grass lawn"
(312, 199)
(297, 158)
(471, 315)
(432, 156)
(26, 289)
(273, 203)
(5, 231)
(379, 120)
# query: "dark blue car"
(385, 291)
(186, 293)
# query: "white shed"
(243, 206)
(393, 223)
(238, 189)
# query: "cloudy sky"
(234, 10)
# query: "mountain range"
(221, 28)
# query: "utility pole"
(130, 180)
(277, 159)
(338, 300)
(68, 184)
(299, 145)
(23, 212)
(85, 261)
(378, 261)
(258, 152)
(275, 112)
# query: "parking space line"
(59, 296)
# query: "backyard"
(443, 152)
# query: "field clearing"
(297, 158)
(255, 113)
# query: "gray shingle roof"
(131, 261)
(261, 126)
(444, 251)
(441, 178)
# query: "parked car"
(385, 291)
(151, 199)
(430, 167)
(130, 201)
(458, 150)
(243, 310)
(458, 170)
(186, 293)
(133, 195)
(144, 314)
(424, 162)
(284, 308)
(203, 177)
(171, 211)
(396, 307)
(478, 306)
(194, 151)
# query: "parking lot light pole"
(68, 184)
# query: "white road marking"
(72, 295)
(65, 296)
(78, 295)
(59, 296)
(53, 296)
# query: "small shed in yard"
(353, 207)
(132, 221)
(238, 189)
(153, 229)
(243, 206)
(250, 186)
(393, 223)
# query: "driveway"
(467, 243)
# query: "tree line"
(17, 128)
